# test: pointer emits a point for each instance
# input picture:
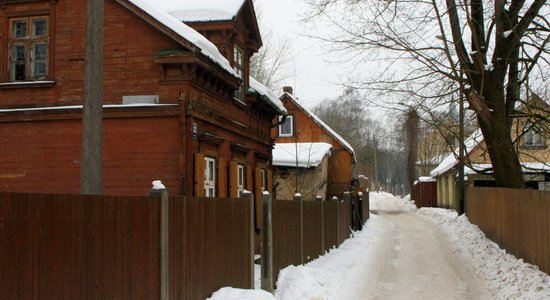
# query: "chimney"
(287, 89)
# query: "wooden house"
(323, 159)
(532, 138)
(179, 105)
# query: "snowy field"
(408, 253)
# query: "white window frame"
(30, 42)
(238, 66)
(240, 179)
(263, 178)
(209, 177)
(289, 119)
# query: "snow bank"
(323, 277)
(508, 277)
(228, 293)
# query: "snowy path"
(416, 261)
(408, 253)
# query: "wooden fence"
(424, 194)
(517, 220)
(325, 225)
(89, 247)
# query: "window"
(240, 180)
(263, 179)
(209, 177)
(28, 49)
(533, 137)
(287, 128)
(238, 66)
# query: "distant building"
(532, 145)
(309, 157)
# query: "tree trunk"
(504, 158)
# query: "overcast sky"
(311, 75)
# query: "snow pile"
(508, 277)
(389, 200)
(323, 277)
(228, 293)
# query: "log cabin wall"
(140, 144)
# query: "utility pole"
(461, 202)
(92, 111)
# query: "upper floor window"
(238, 66)
(533, 137)
(209, 177)
(28, 48)
(287, 128)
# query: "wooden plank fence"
(324, 228)
(424, 194)
(105, 247)
(517, 220)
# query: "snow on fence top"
(323, 125)
(308, 154)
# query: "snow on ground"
(408, 253)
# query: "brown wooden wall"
(88, 247)
(517, 220)
(44, 156)
(286, 230)
(424, 194)
(210, 246)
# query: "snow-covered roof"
(323, 125)
(202, 10)
(451, 160)
(526, 167)
(157, 10)
(268, 94)
(305, 155)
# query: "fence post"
(320, 199)
(360, 209)
(335, 199)
(159, 190)
(249, 197)
(347, 198)
(298, 197)
(267, 244)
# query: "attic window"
(287, 128)
(28, 48)
(238, 66)
(534, 137)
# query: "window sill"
(26, 84)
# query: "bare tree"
(374, 144)
(428, 51)
(268, 65)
